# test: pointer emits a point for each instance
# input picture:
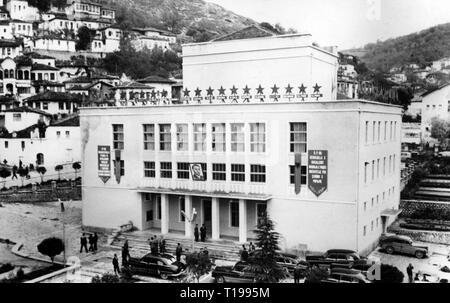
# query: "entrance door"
(207, 215)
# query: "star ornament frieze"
(186, 92)
(246, 90)
(317, 88)
(275, 89)
(221, 91)
(289, 89)
(234, 90)
(198, 92)
(302, 89)
(210, 91)
(260, 90)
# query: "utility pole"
(64, 229)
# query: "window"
(234, 214)
(298, 137)
(118, 138)
(378, 199)
(183, 170)
(6, 144)
(373, 170)
(219, 171)
(303, 173)
(366, 171)
(379, 131)
(378, 168)
(52, 76)
(261, 210)
(17, 117)
(158, 206)
(218, 137)
(258, 137)
(377, 221)
(182, 137)
(365, 206)
(166, 170)
(367, 132)
(364, 230)
(258, 173)
(149, 215)
(372, 202)
(390, 132)
(67, 134)
(371, 226)
(393, 164)
(149, 136)
(61, 105)
(373, 131)
(122, 166)
(237, 137)
(395, 130)
(390, 164)
(165, 137)
(238, 172)
(384, 166)
(149, 169)
(181, 202)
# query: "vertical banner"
(298, 173)
(318, 171)
(104, 162)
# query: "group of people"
(92, 240)
(157, 245)
(245, 252)
(202, 233)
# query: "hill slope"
(192, 17)
(422, 48)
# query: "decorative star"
(221, 91)
(246, 90)
(164, 93)
(209, 91)
(302, 89)
(153, 94)
(289, 89)
(186, 92)
(198, 92)
(260, 90)
(317, 88)
(275, 89)
(234, 90)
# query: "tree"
(85, 37)
(41, 170)
(42, 5)
(51, 247)
(59, 168)
(76, 166)
(390, 274)
(23, 172)
(439, 129)
(405, 96)
(106, 278)
(316, 275)
(4, 173)
(263, 263)
(197, 265)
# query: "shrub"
(106, 278)
(316, 274)
(390, 274)
(51, 247)
(20, 275)
(6, 267)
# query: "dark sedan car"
(162, 265)
(287, 261)
(233, 274)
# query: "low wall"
(64, 194)
(422, 235)
(410, 206)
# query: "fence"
(45, 195)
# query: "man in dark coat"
(115, 263)
(196, 232)
(83, 243)
(14, 171)
(95, 239)
(409, 271)
(162, 245)
(178, 252)
(91, 242)
(244, 254)
(125, 254)
(297, 273)
(203, 233)
(155, 245)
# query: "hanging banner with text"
(318, 171)
(104, 163)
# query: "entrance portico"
(231, 218)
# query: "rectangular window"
(384, 166)
(234, 214)
(182, 137)
(122, 166)
(258, 173)
(219, 171)
(395, 130)
(365, 206)
(149, 136)
(258, 137)
(61, 105)
(149, 215)
(237, 137)
(181, 202)
(298, 137)
(379, 131)
(6, 144)
(371, 226)
(378, 199)
(45, 105)
(166, 170)
(149, 169)
(373, 131)
(373, 170)
(238, 172)
(118, 137)
(165, 137)
(390, 132)
(364, 230)
(385, 130)
(372, 202)
(158, 206)
(303, 173)
(367, 132)
(183, 170)
(67, 134)
(378, 168)
(393, 164)
(58, 134)
(218, 137)
(366, 171)
(390, 164)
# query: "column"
(188, 211)
(242, 221)
(164, 214)
(215, 219)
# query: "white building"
(441, 64)
(54, 102)
(22, 117)
(411, 136)
(254, 138)
(435, 104)
(10, 48)
(150, 37)
(6, 30)
(20, 10)
(21, 28)
(53, 44)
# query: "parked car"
(342, 258)
(402, 244)
(162, 265)
(233, 274)
(287, 261)
(344, 275)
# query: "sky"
(346, 23)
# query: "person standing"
(91, 242)
(297, 273)
(162, 245)
(83, 243)
(14, 171)
(203, 233)
(155, 245)
(178, 252)
(244, 254)
(251, 247)
(125, 254)
(409, 271)
(115, 263)
(95, 241)
(196, 232)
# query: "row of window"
(376, 168)
(376, 131)
(376, 200)
(371, 226)
(298, 137)
(25, 75)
